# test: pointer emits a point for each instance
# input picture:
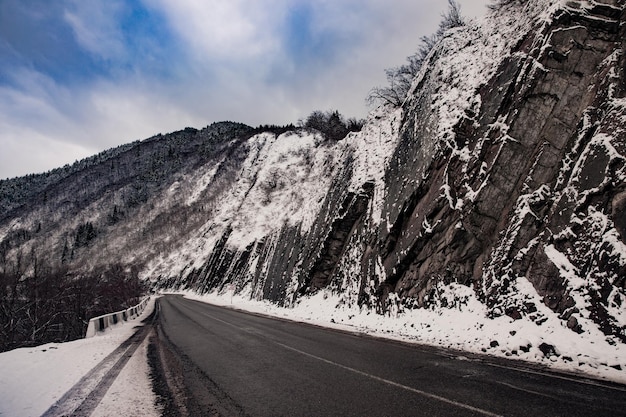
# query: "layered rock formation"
(528, 174)
(504, 171)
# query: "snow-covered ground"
(33, 379)
(462, 325)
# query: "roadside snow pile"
(33, 379)
(456, 320)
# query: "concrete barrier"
(100, 323)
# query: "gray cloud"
(233, 60)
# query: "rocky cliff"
(503, 171)
(527, 184)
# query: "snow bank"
(33, 379)
(457, 321)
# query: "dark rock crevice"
(352, 210)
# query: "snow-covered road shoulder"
(463, 326)
(33, 379)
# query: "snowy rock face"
(564, 145)
(504, 171)
(528, 184)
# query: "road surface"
(220, 361)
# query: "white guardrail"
(100, 323)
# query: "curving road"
(219, 361)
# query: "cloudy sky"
(81, 76)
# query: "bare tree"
(332, 124)
(401, 78)
(49, 304)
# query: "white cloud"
(96, 26)
(44, 125)
(240, 71)
(121, 113)
(34, 130)
(474, 8)
(26, 151)
(222, 30)
(35, 100)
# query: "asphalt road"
(234, 363)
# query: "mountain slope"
(503, 173)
